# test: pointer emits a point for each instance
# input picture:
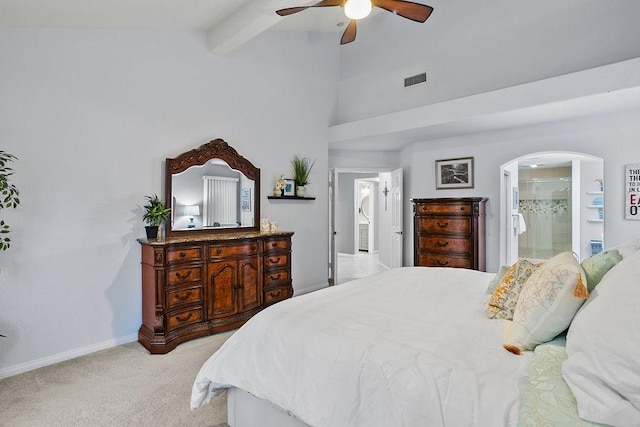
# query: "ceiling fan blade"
(349, 34)
(407, 9)
(324, 3)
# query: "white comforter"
(407, 347)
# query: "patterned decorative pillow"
(503, 301)
(596, 267)
(547, 303)
(496, 279)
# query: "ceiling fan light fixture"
(357, 9)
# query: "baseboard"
(67, 355)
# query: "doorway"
(551, 202)
(358, 223)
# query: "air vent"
(414, 80)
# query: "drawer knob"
(253, 248)
(274, 260)
(442, 244)
(183, 254)
(183, 296)
(442, 264)
(218, 251)
(274, 245)
(183, 276)
(275, 276)
(184, 318)
(446, 224)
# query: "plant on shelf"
(155, 214)
(301, 170)
(8, 195)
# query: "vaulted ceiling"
(228, 23)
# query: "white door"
(397, 237)
(333, 256)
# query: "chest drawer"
(443, 225)
(186, 254)
(184, 318)
(276, 245)
(276, 294)
(444, 244)
(276, 277)
(273, 261)
(233, 250)
(183, 296)
(182, 275)
(460, 208)
(443, 260)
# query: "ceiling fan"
(358, 9)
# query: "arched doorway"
(551, 202)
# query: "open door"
(397, 236)
(333, 256)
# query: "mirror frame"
(215, 149)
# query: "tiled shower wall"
(545, 204)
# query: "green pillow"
(596, 266)
(496, 279)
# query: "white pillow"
(603, 348)
(547, 303)
(629, 248)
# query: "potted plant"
(8, 195)
(301, 170)
(155, 214)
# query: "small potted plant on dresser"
(301, 170)
(155, 214)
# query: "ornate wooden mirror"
(212, 189)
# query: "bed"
(414, 346)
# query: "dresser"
(197, 286)
(449, 232)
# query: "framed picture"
(289, 187)
(454, 173)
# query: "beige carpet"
(121, 386)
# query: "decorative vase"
(152, 231)
(277, 192)
(301, 191)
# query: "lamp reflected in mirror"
(192, 211)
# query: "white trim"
(67, 355)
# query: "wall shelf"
(595, 192)
(595, 220)
(290, 198)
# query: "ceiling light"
(357, 9)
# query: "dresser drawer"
(233, 250)
(186, 254)
(460, 208)
(439, 260)
(272, 261)
(444, 244)
(183, 296)
(183, 275)
(276, 294)
(276, 245)
(275, 277)
(184, 318)
(443, 225)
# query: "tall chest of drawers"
(192, 288)
(449, 232)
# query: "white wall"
(470, 47)
(92, 115)
(613, 137)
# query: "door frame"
(334, 178)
